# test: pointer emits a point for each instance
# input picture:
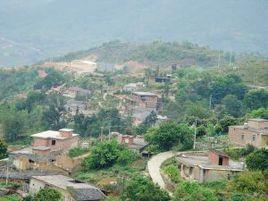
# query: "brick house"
(207, 166)
(146, 100)
(136, 143)
(54, 141)
(255, 132)
(47, 149)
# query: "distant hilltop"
(34, 30)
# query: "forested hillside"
(33, 30)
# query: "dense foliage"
(3, 149)
(107, 153)
(45, 194)
(142, 189)
(258, 160)
(170, 134)
(192, 191)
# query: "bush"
(238, 153)
(77, 151)
(126, 156)
(108, 153)
(46, 194)
(173, 173)
(258, 160)
(192, 191)
(142, 189)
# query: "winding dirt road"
(154, 165)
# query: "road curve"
(154, 165)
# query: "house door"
(220, 160)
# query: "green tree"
(256, 98)
(170, 134)
(13, 124)
(260, 113)
(151, 119)
(3, 149)
(54, 78)
(227, 121)
(142, 189)
(54, 113)
(233, 106)
(250, 183)
(106, 154)
(258, 160)
(46, 194)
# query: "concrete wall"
(41, 142)
(214, 175)
(35, 186)
(242, 137)
(214, 158)
(258, 124)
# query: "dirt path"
(154, 165)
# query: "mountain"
(33, 30)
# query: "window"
(253, 138)
(242, 137)
(220, 160)
(53, 142)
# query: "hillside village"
(187, 127)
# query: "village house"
(255, 132)
(71, 190)
(136, 143)
(74, 92)
(47, 150)
(146, 100)
(209, 166)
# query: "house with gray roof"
(70, 189)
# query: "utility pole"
(219, 59)
(195, 131)
(230, 59)
(7, 173)
(109, 133)
(210, 102)
(101, 134)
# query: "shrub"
(77, 151)
(173, 173)
(258, 160)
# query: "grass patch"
(10, 198)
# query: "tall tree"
(53, 116)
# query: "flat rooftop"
(80, 190)
(50, 134)
(63, 182)
(204, 162)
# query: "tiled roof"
(86, 194)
